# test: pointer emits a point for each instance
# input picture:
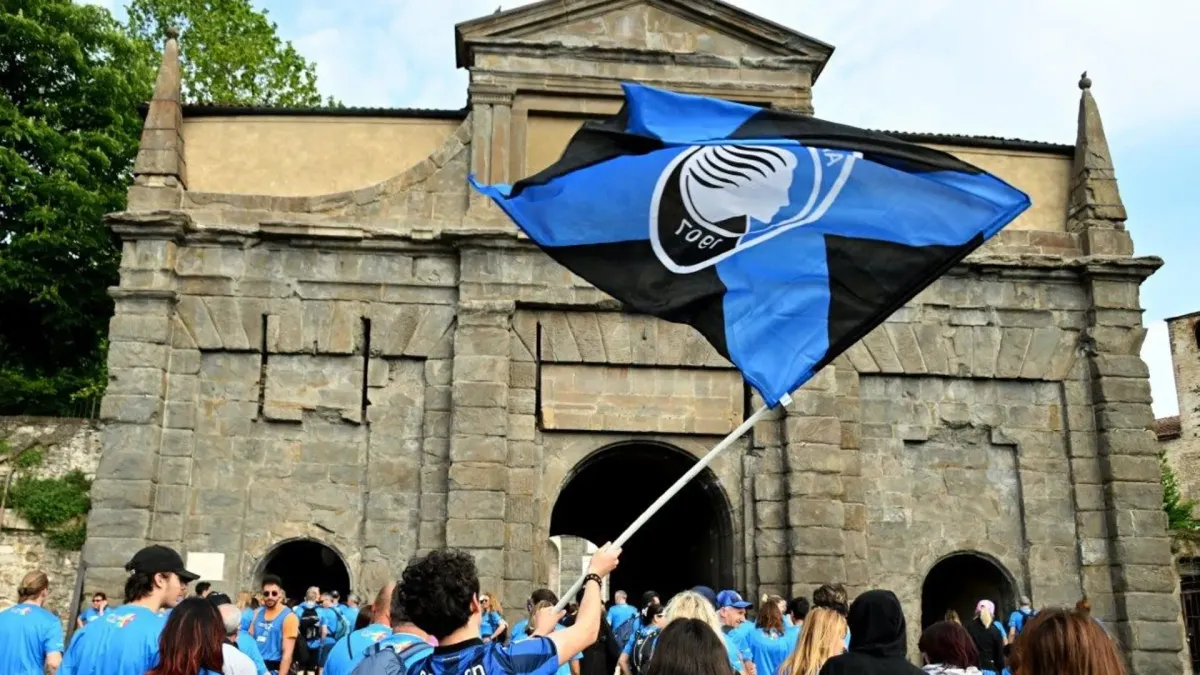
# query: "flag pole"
(674, 490)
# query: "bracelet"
(595, 578)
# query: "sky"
(997, 68)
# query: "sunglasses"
(271, 594)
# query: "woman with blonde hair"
(492, 626)
(247, 603)
(987, 639)
(823, 637)
(692, 605)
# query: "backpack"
(643, 650)
(310, 624)
(1020, 617)
(343, 626)
(625, 630)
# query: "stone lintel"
(161, 294)
(159, 224)
(582, 85)
(556, 49)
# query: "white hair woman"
(692, 605)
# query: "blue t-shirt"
(489, 624)
(619, 614)
(350, 614)
(247, 618)
(534, 656)
(123, 642)
(768, 650)
(1019, 618)
(247, 646)
(331, 617)
(639, 631)
(91, 614)
(28, 632)
(352, 649)
(564, 669)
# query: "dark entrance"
(688, 542)
(303, 563)
(960, 581)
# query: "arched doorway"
(301, 563)
(688, 542)
(961, 580)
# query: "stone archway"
(301, 563)
(688, 542)
(959, 581)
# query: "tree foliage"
(70, 83)
(229, 52)
(1178, 509)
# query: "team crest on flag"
(713, 201)
(782, 238)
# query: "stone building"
(1179, 435)
(328, 355)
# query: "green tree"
(228, 52)
(1178, 509)
(70, 83)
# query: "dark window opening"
(304, 563)
(688, 542)
(1189, 597)
(958, 583)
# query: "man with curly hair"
(440, 593)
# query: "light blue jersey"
(28, 632)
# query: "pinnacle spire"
(160, 162)
(1094, 206)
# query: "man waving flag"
(782, 238)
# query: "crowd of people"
(435, 620)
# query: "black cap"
(218, 599)
(157, 559)
(706, 593)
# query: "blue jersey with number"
(535, 656)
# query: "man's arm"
(570, 641)
(291, 630)
(53, 661)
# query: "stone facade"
(65, 445)
(1179, 436)
(394, 368)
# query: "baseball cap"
(731, 599)
(707, 593)
(156, 559)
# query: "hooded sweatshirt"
(878, 639)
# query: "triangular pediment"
(678, 26)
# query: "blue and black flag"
(784, 239)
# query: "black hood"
(876, 623)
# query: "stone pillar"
(817, 485)
(1146, 604)
(854, 508)
(491, 117)
(479, 475)
(767, 477)
(139, 356)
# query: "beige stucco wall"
(1043, 177)
(293, 156)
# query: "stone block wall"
(65, 445)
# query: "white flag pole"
(674, 489)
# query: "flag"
(782, 238)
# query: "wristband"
(595, 578)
